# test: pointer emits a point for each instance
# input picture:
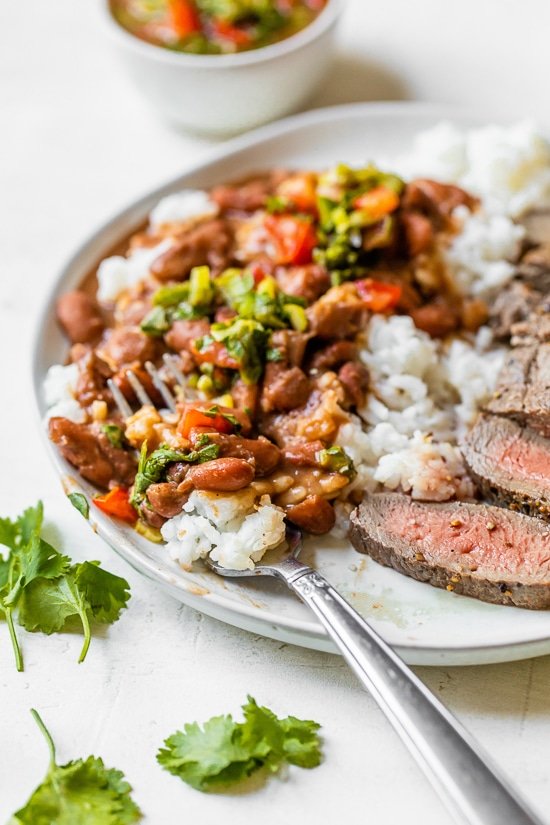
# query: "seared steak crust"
(476, 550)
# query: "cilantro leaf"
(46, 605)
(8, 533)
(82, 792)
(224, 752)
(30, 521)
(80, 503)
(36, 559)
(202, 756)
(105, 593)
(46, 591)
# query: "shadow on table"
(354, 79)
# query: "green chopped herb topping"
(152, 468)
(115, 434)
(336, 460)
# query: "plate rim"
(110, 532)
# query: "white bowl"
(221, 95)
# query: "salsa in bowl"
(215, 26)
(207, 83)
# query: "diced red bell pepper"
(378, 203)
(184, 17)
(225, 31)
(294, 238)
(259, 272)
(194, 417)
(300, 190)
(214, 353)
(117, 503)
(377, 295)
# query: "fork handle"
(465, 781)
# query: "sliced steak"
(513, 305)
(473, 549)
(523, 387)
(510, 463)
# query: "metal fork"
(171, 365)
(464, 778)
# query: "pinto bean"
(123, 462)
(260, 452)
(437, 319)
(354, 377)
(80, 317)
(223, 475)
(314, 514)
(93, 373)
(167, 499)
(127, 345)
(309, 281)
(432, 197)
(245, 396)
(475, 312)
(208, 243)
(81, 449)
(183, 333)
(224, 314)
(302, 453)
(249, 195)
(340, 313)
(149, 515)
(291, 344)
(418, 232)
(334, 355)
(284, 389)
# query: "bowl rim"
(322, 23)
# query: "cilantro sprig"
(82, 792)
(152, 467)
(224, 752)
(46, 590)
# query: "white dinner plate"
(427, 626)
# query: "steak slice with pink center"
(476, 550)
(510, 463)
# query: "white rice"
(116, 274)
(182, 206)
(236, 530)
(424, 394)
(59, 390)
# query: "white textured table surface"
(77, 143)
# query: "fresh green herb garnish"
(276, 204)
(336, 460)
(47, 590)
(82, 792)
(80, 503)
(170, 296)
(152, 468)
(348, 234)
(224, 752)
(188, 301)
(157, 322)
(246, 341)
(115, 434)
(266, 303)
